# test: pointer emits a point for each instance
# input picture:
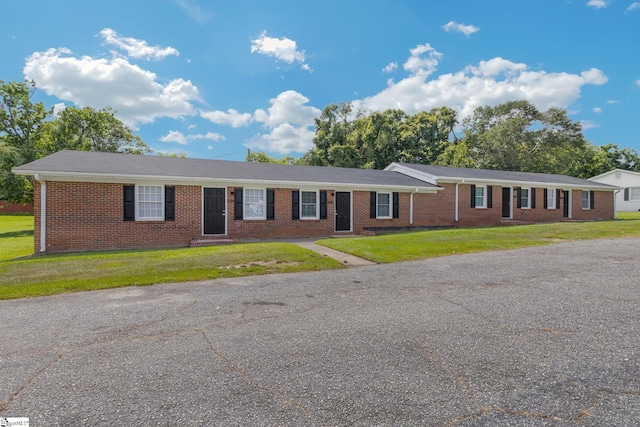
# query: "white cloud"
(133, 92)
(467, 30)
(289, 122)
(638, 82)
(180, 138)
(287, 107)
(284, 139)
(598, 4)
(418, 65)
(194, 11)
(136, 48)
(633, 6)
(231, 117)
(588, 124)
(490, 82)
(283, 49)
(613, 101)
(391, 67)
(597, 110)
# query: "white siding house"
(628, 198)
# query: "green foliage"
(29, 131)
(345, 139)
(262, 157)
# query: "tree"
(87, 129)
(515, 136)
(21, 126)
(262, 157)
(29, 131)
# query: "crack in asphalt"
(5, 404)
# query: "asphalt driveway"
(546, 336)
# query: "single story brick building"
(100, 201)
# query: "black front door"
(565, 204)
(214, 211)
(506, 202)
(343, 211)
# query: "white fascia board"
(400, 168)
(623, 171)
(168, 180)
(535, 184)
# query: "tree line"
(30, 131)
(513, 136)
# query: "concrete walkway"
(344, 258)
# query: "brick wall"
(89, 216)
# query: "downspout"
(456, 204)
(43, 213)
(411, 207)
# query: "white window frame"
(482, 205)
(317, 204)
(138, 202)
(631, 191)
(551, 198)
(588, 200)
(246, 213)
(522, 206)
(378, 216)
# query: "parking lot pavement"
(544, 336)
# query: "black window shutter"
(489, 196)
(295, 204)
(519, 197)
(372, 204)
(323, 204)
(473, 196)
(271, 204)
(396, 205)
(557, 198)
(169, 203)
(626, 194)
(592, 197)
(237, 203)
(129, 202)
(545, 192)
(533, 197)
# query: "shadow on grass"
(21, 233)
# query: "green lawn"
(22, 275)
(54, 274)
(426, 244)
(16, 236)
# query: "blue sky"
(212, 79)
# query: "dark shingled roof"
(131, 165)
(504, 176)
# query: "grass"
(435, 243)
(16, 236)
(54, 274)
(28, 276)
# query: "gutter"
(43, 213)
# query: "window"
(150, 202)
(551, 198)
(254, 203)
(309, 205)
(383, 205)
(586, 200)
(524, 198)
(480, 199)
(634, 193)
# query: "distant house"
(628, 198)
(100, 201)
